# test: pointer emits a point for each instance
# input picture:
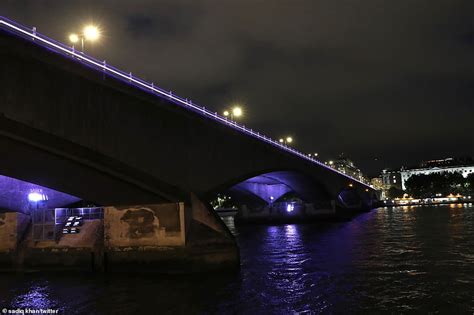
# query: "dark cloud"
(169, 21)
(140, 25)
(374, 79)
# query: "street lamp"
(233, 113)
(286, 141)
(314, 155)
(89, 32)
(73, 38)
(330, 163)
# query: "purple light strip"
(128, 77)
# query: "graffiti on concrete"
(142, 222)
(144, 225)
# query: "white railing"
(31, 34)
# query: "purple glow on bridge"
(127, 77)
(16, 195)
(290, 207)
(37, 195)
(266, 189)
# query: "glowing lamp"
(290, 207)
(36, 196)
(91, 32)
(237, 111)
(73, 38)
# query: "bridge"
(77, 128)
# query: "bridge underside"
(40, 173)
(45, 160)
(272, 186)
(280, 186)
(17, 195)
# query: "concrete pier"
(162, 238)
(13, 227)
(71, 252)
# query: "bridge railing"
(150, 87)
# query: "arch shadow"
(268, 187)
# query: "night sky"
(389, 83)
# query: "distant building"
(377, 183)
(346, 166)
(391, 178)
(447, 162)
(464, 166)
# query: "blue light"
(35, 196)
(290, 207)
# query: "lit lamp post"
(286, 141)
(37, 199)
(314, 155)
(90, 33)
(235, 112)
(330, 163)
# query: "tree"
(470, 183)
(423, 186)
(420, 185)
(456, 182)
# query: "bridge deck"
(65, 50)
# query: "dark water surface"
(400, 260)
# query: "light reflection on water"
(407, 259)
(36, 296)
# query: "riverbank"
(297, 215)
(426, 202)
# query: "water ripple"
(400, 260)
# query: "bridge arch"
(351, 197)
(270, 186)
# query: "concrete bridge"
(84, 130)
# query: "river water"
(399, 260)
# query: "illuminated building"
(391, 178)
(437, 166)
(377, 183)
(346, 166)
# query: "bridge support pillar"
(164, 238)
(13, 226)
(181, 237)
